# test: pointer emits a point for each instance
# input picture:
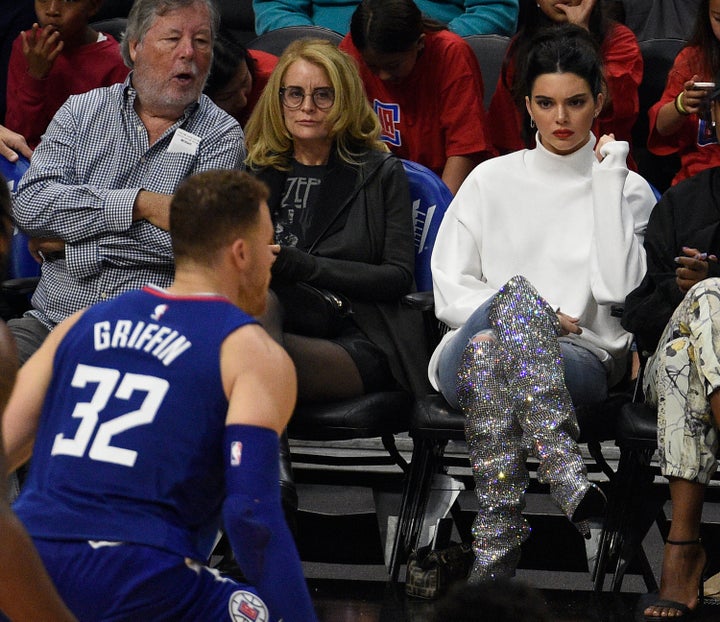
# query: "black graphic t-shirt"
(296, 210)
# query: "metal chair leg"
(426, 458)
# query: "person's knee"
(484, 335)
(29, 334)
(709, 286)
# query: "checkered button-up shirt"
(82, 184)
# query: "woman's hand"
(568, 324)
(12, 142)
(603, 140)
(692, 100)
(293, 264)
(692, 268)
(578, 14)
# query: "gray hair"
(144, 13)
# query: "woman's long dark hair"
(704, 38)
(563, 48)
(389, 26)
(531, 21)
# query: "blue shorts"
(134, 582)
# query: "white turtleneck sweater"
(571, 225)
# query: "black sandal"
(686, 612)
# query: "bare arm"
(153, 207)
(22, 414)
(670, 118)
(259, 379)
(26, 592)
(261, 382)
(12, 142)
(457, 168)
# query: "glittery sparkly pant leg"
(497, 456)
(527, 328)
(679, 379)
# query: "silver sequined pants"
(512, 391)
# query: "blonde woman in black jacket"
(343, 219)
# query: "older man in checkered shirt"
(95, 201)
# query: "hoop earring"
(532, 122)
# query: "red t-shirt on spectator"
(437, 111)
(694, 142)
(31, 103)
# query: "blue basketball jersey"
(129, 446)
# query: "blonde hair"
(354, 127)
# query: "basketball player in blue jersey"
(26, 592)
(152, 416)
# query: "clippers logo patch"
(159, 312)
(235, 453)
(247, 607)
(389, 116)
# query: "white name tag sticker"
(184, 142)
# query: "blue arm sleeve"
(255, 523)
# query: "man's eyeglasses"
(293, 97)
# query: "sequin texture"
(512, 391)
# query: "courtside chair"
(114, 26)
(634, 503)
(275, 41)
(433, 424)
(490, 52)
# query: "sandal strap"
(684, 542)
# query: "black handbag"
(312, 311)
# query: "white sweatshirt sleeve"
(458, 286)
(622, 202)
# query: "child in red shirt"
(59, 56)
(425, 84)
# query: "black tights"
(325, 371)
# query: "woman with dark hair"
(510, 126)
(535, 248)
(678, 123)
(237, 77)
(425, 85)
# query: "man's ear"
(238, 250)
(132, 49)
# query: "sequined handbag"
(431, 572)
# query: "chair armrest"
(21, 286)
(420, 301)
